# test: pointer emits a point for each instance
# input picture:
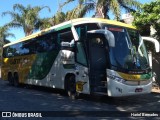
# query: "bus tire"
(16, 80)
(10, 79)
(71, 87)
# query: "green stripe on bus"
(69, 66)
(146, 76)
(42, 65)
(63, 27)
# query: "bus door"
(97, 53)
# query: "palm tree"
(4, 34)
(59, 17)
(44, 23)
(103, 7)
(78, 12)
(26, 18)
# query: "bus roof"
(69, 24)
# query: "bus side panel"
(20, 64)
(42, 65)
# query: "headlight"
(118, 79)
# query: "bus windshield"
(129, 52)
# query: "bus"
(85, 55)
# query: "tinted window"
(66, 36)
(46, 43)
(82, 29)
(40, 44)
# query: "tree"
(115, 6)
(4, 34)
(103, 7)
(44, 23)
(26, 18)
(78, 12)
(149, 16)
(59, 17)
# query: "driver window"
(97, 41)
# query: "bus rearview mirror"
(110, 38)
(68, 44)
(65, 44)
(154, 41)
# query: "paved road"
(44, 99)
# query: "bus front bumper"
(117, 89)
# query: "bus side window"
(27, 47)
(4, 52)
(82, 29)
(17, 51)
(10, 51)
(66, 37)
(46, 43)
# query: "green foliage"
(4, 34)
(116, 6)
(6, 41)
(59, 18)
(78, 12)
(26, 18)
(149, 16)
(103, 7)
(44, 23)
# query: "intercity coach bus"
(85, 55)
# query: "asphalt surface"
(55, 104)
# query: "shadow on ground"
(33, 98)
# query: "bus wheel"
(71, 87)
(16, 80)
(10, 79)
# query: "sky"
(7, 5)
